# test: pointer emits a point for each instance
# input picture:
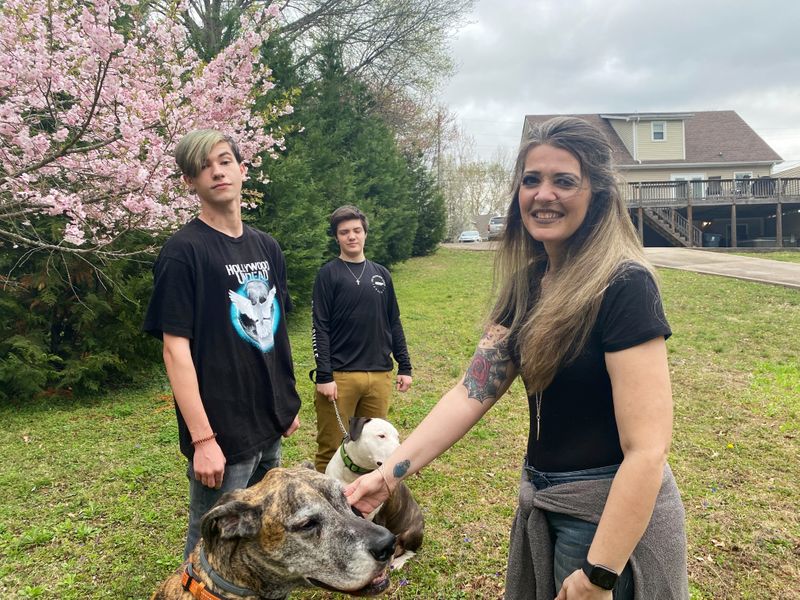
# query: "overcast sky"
(519, 57)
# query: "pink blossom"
(129, 101)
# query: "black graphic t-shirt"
(228, 296)
(356, 320)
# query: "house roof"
(790, 172)
(712, 137)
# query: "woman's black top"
(577, 425)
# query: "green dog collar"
(351, 465)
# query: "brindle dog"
(294, 528)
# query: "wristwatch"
(601, 576)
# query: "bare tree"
(388, 43)
(471, 186)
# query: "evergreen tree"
(339, 153)
(430, 208)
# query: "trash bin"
(711, 240)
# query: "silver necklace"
(538, 396)
(360, 275)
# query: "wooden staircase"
(673, 226)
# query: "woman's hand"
(578, 587)
(367, 492)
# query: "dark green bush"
(71, 326)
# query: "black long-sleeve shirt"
(356, 320)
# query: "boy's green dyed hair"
(193, 149)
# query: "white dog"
(368, 445)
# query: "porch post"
(640, 213)
(733, 226)
(690, 233)
(640, 219)
(779, 224)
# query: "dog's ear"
(229, 519)
(356, 425)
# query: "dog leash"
(346, 434)
(339, 419)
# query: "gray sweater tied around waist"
(658, 561)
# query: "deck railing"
(709, 192)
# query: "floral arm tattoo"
(491, 366)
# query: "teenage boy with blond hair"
(219, 302)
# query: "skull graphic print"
(255, 313)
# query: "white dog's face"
(377, 441)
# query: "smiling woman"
(579, 318)
(553, 197)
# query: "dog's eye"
(310, 524)
(382, 435)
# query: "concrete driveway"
(761, 270)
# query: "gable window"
(658, 131)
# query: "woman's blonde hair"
(556, 330)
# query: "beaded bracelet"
(205, 439)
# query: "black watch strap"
(599, 575)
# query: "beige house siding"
(624, 130)
(632, 176)
(671, 148)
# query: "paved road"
(761, 270)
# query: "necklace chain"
(360, 275)
(538, 397)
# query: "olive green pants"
(360, 394)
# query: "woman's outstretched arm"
(489, 375)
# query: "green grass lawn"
(94, 492)
(785, 255)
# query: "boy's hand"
(293, 427)
(208, 464)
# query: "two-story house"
(699, 178)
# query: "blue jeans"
(239, 475)
(571, 536)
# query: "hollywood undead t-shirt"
(228, 296)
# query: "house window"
(658, 131)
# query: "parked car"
(469, 236)
(497, 226)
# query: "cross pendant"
(358, 282)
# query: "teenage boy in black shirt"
(356, 330)
(218, 304)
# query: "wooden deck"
(711, 192)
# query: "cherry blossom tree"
(93, 98)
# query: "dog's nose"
(382, 548)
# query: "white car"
(496, 227)
(469, 236)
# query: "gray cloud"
(559, 56)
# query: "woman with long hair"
(579, 318)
